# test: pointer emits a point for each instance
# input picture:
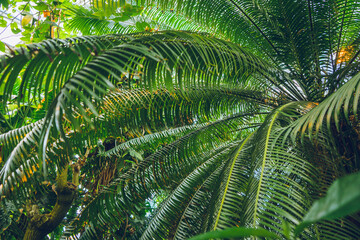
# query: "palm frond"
(344, 102)
(89, 23)
(170, 212)
(21, 152)
(12, 138)
(220, 188)
(100, 73)
(182, 154)
(154, 137)
(168, 20)
(48, 65)
(291, 33)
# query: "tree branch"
(42, 224)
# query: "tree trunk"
(42, 224)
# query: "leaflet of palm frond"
(88, 23)
(342, 103)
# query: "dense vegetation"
(168, 119)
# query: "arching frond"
(89, 83)
(49, 64)
(344, 103)
(290, 33)
(20, 153)
(162, 224)
(154, 137)
(123, 110)
(168, 20)
(275, 188)
(182, 153)
(12, 138)
(89, 22)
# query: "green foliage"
(239, 115)
(342, 199)
(236, 233)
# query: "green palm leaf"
(161, 225)
(274, 188)
(342, 103)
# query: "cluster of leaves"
(230, 136)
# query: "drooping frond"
(12, 138)
(49, 64)
(179, 59)
(154, 137)
(275, 190)
(168, 20)
(89, 22)
(343, 103)
(182, 155)
(21, 152)
(290, 33)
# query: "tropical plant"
(244, 126)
